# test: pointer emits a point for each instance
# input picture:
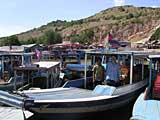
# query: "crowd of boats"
(65, 85)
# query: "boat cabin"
(10, 60)
(147, 104)
(153, 89)
(40, 74)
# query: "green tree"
(129, 16)
(12, 40)
(75, 38)
(52, 37)
(156, 35)
(5, 42)
(31, 40)
(42, 40)
(87, 36)
(84, 37)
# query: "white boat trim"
(44, 90)
(76, 99)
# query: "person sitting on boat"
(98, 73)
(112, 72)
(124, 71)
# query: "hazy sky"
(21, 15)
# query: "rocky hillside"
(127, 23)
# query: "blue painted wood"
(78, 67)
(11, 100)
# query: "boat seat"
(104, 89)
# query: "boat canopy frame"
(141, 55)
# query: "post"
(23, 60)
(47, 79)
(142, 69)
(2, 66)
(31, 59)
(150, 73)
(131, 69)
(52, 79)
(85, 72)
(15, 76)
(119, 58)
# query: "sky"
(18, 16)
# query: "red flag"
(38, 53)
(110, 37)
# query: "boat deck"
(63, 94)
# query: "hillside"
(127, 23)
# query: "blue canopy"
(78, 67)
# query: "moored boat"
(74, 100)
(9, 60)
(147, 106)
(43, 74)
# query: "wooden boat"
(27, 72)
(8, 81)
(75, 101)
(43, 74)
(147, 106)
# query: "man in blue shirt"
(112, 72)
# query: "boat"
(8, 81)
(72, 100)
(24, 73)
(147, 105)
(43, 74)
